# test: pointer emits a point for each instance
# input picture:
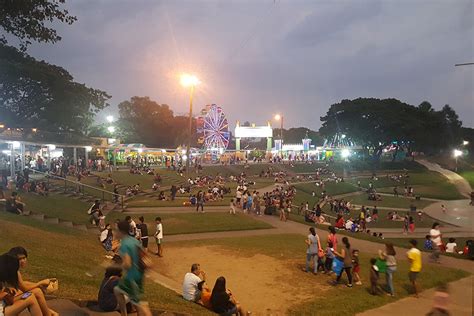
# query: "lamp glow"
(88, 148)
(188, 80)
(345, 153)
(110, 118)
(465, 142)
(277, 117)
(457, 153)
(111, 129)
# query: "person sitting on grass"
(451, 246)
(191, 281)
(36, 288)
(10, 306)
(14, 205)
(205, 295)
(222, 300)
(106, 297)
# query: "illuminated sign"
(257, 132)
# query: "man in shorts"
(159, 237)
(131, 285)
(414, 256)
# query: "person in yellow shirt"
(414, 256)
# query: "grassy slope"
(198, 223)
(57, 206)
(50, 255)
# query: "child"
(428, 243)
(374, 276)
(405, 225)
(411, 224)
(451, 246)
(356, 266)
(232, 207)
(329, 257)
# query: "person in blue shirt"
(131, 285)
(428, 243)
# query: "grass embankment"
(49, 255)
(190, 223)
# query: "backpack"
(144, 260)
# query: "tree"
(40, 95)
(144, 120)
(375, 124)
(27, 20)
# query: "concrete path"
(460, 298)
(458, 213)
(461, 184)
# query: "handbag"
(52, 287)
(337, 265)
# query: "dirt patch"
(262, 284)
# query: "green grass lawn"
(387, 201)
(50, 255)
(153, 202)
(428, 184)
(59, 206)
(333, 300)
(442, 191)
(469, 176)
(189, 223)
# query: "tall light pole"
(456, 153)
(189, 81)
(279, 117)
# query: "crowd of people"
(332, 258)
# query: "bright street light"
(111, 129)
(345, 153)
(110, 118)
(457, 153)
(465, 142)
(277, 117)
(188, 80)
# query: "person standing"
(312, 243)
(132, 226)
(437, 242)
(232, 207)
(332, 237)
(414, 256)
(389, 256)
(142, 230)
(200, 201)
(345, 255)
(159, 237)
(131, 285)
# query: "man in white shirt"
(191, 281)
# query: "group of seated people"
(219, 300)
(40, 187)
(451, 246)
(18, 295)
(133, 190)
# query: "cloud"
(259, 57)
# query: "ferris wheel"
(213, 128)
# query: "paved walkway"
(461, 184)
(460, 298)
(458, 213)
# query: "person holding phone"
(12, 300)
(34, 288)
